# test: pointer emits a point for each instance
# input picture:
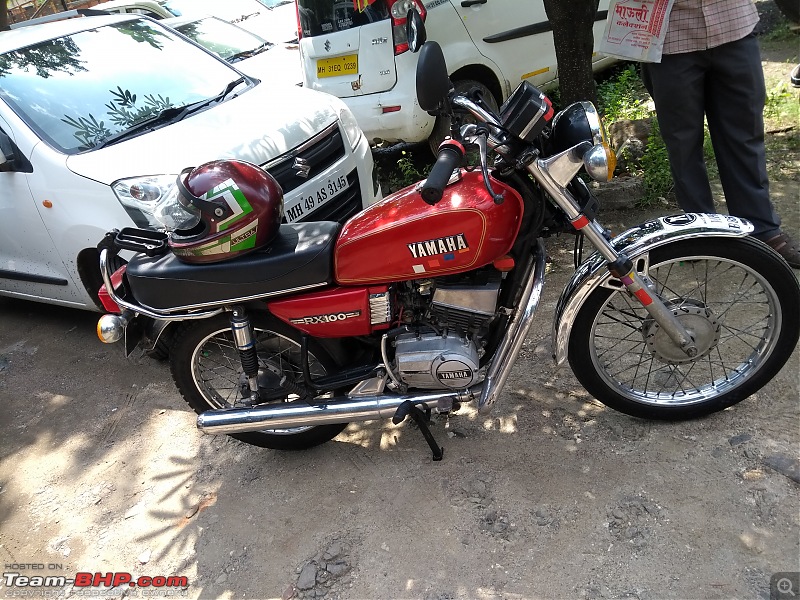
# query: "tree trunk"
(572, 22)
(4, 16)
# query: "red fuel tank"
(401, 237)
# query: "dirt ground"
(553, 496)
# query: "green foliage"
(781, 104)
(656, 175)
(782, 32)
(622, 96)
(396, 173)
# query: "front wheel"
(736, 298)
(208, 372)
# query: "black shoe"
(787, 247)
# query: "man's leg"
(735, 95)
(677, 85)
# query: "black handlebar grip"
(451, 155)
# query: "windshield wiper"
(173, 114)
(248, 53)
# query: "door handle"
(468, 3)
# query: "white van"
(98, 115)
(363, 58)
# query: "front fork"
(618, 264)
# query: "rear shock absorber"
(246, 346)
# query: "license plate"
(312, 199)
(340, 65)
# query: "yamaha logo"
(301, 167)
(444, 245)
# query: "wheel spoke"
(733, 307)
(218, 365)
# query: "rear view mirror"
(433, 83)
(11, 159)
(415, 31)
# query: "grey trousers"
(726, 84)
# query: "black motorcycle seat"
(300, 256)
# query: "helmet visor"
(174, 215)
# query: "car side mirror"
(433, 82)
(11, 159)
(415, 31)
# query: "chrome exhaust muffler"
(342, 409)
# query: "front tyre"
(208, 373)
(736, 297)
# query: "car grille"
(318, 153)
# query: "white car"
(274, 20)
(149, 8)
(251, 54)
(98, 115)
(363, 58)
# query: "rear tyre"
(207, 370)
(737, 298)
(442, 127)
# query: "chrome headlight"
(140, 196)
(577, 124)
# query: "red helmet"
(239, 206)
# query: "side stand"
(422, 418)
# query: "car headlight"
(140, 195)
(350, 126)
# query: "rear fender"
(636, 243)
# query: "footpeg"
(422, 418)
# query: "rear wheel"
(737, 299)
(208, 372)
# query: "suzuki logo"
(327, 45)
(301, 167)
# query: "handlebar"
(450, 157)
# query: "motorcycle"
(422, 301)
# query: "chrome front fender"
(636, 243)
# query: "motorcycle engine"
(459, 310)
(432, 361)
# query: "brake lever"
(478, 135)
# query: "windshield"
(222, 38)
(321, 17)
(274, 3)
(78, 90)
(227, 9)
